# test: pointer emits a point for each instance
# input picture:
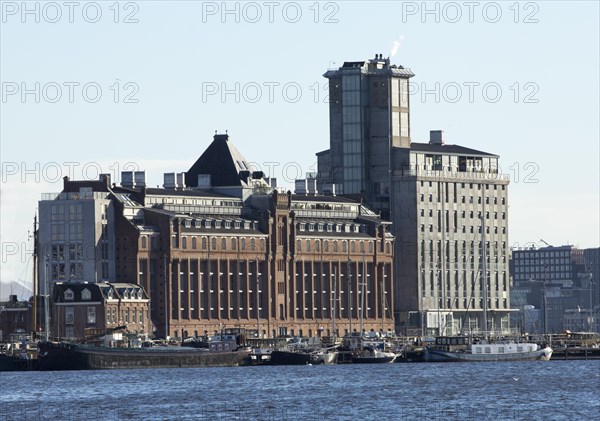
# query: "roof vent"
(436, 137)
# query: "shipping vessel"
(69, 356)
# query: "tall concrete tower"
(448, 203)
(369, 113)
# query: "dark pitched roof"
(453, 149)
(222, 161)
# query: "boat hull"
(64, 356)
(373, 360)
(432, 355)
(292, 358)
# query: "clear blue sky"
(519, 80)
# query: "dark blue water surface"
(555, 390)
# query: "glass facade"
(352, 136)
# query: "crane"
(542, 240)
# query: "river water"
(554, 390)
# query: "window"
(194, 243)
(204, 243)
(184, 242)
(69, 295)
(91, 315)
(69, 315)
(144, 242)
(86, 294)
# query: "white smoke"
(396, 45)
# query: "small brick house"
(80, 305)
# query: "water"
(555, 390)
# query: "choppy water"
(555, 390)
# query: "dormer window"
(320, 227)
(126, 294)
(236, 224)
(311, 227)
(139, 294)
(187, 223)
(207, 223)
(69, 295)
(329, 228)
(217, 224)
(86, 294)
(227, 224)
(110, 294)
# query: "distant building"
(77, 306)
(554, 273)
(15, 317)
(591, 274)
(76, 234)
(581, 320)
(448, 203)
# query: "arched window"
(233, 244)
(194, 243)
(204, 243)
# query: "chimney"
(436, 137)
(181, 180)
(169, 180)
(127, 179)
(140, 178)
(300, 186)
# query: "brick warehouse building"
(235, 252)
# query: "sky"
(102, 87)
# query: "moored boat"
(69, 356)
(372, 355)
(461, 351)
(295, 357)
